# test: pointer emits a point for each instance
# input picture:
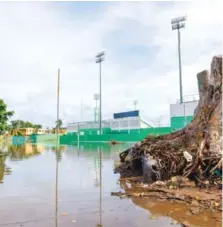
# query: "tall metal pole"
(96, 111)
(99, 59)
(81, 108)
(96, 97)
(95, 114)
(180, 70)
(177, 24)
(57, 149)
(58, 105)
(100, 196)
(100, 114)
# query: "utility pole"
(58, 106)
(177, 24)
(57, 149)
(99, 59)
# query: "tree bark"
(194, 151)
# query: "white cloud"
(141, 56)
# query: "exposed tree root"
(193, 152)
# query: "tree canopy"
(24, 124)
(59, 123)
(4, 116)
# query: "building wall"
(178, 123)
(182, 114)
(34, 138)
(114, 124)
(132, 135)
(18, 140)
(179, 110)
(75, 127)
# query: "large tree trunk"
(194, 151)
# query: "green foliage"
(24, 124)
(59, 123)
(4, 116)
(17, 124)
(37, 126)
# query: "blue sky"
(141, 61)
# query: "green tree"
(24, 124)
(37, 126)
(28, 124)
(17, 124)
(4, 116)
(59, 123)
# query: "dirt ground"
(180, 212)
(188, 205)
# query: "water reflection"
(2, 167)
(179, 213)
(88, 152)
(16, 153)
(97, 182)
(100, 188)
(58, 158)
(67, 186)
(20, 152)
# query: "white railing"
(75, 127)
(189, 98)
(114, 124)
(186, 98)
(125, 123)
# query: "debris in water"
(153, 217)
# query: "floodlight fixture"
(96, 96)
(178, 26)
(178, 20)
(100, 57)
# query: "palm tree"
(59, 123)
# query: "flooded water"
(40, 188)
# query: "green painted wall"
(70, 138)
(34, 138)
(91, 135)
(178, 122)
(16, 140)
(133, 135)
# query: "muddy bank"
(179, 212)
(186, 204)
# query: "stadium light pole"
(96, 97)
(99, 59)
(135, 102)
(177, 24)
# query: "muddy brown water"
(35, 191)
